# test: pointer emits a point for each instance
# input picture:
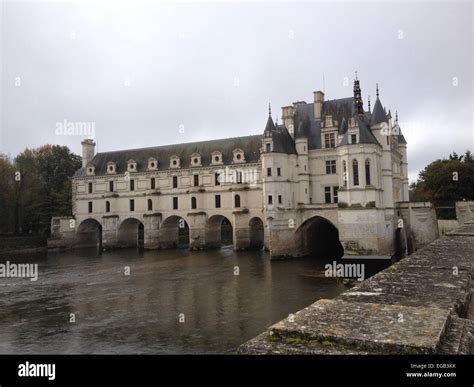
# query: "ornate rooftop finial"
(396, 115)
(368, 102)
(377, 90)
(358, 106)
(356, 75)
(269, 109)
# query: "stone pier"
(421, 305)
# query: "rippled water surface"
(141, 312)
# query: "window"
(175, 181)
(268, 147)
(237, 201)
(330, 167)
(193, 203)
(353, 138)
(367, 172)
(196, 180)
(218, 201)
(238, 177)
(111, 186)
(132, 205)
(388, 140)
(327, 195)
(175, 203)
(107, 206)
(150, 205)
(355, 172)
(152, 183)
(270, 199)
(335, 191)
(269, 172)
(280, 200)
(132, 185)
(90, 187)
(90, 207)
(217, 179)
(344, 176)
(329, 140)
(278, 171)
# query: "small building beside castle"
(330, 179)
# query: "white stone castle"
(332, 178)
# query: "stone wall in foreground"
(420, 305)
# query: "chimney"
(318, 103)
(287, 117)
(88, 151)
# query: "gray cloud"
(139, 71)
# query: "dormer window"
(152, 164)
(131, 166)
(90, 169)
(196, 160)
(328, 121)
(330, 140)
(216, 158)
(174, 162)
(239, 156)
(353, 138)
(111, 168)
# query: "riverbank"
(420, 305)
(21, 245)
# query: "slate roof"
(365, 134)
(378, 114)
(249, 144)
(307, 125)
(282, 140)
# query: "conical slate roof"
(378, 114)
(270, 124)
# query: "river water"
(172, 301)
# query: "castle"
(331, 178)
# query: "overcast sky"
(151, 74)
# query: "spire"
(270, 125)
(396, 116)
(368, 101)
(377, 90)
(358, 105)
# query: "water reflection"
(140, 312)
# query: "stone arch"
(256, 233)
(219, 231)
(131, 233)
(319, 238)
(89, 233)
(174, 233)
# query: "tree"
(43, 189)
(446, 180)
